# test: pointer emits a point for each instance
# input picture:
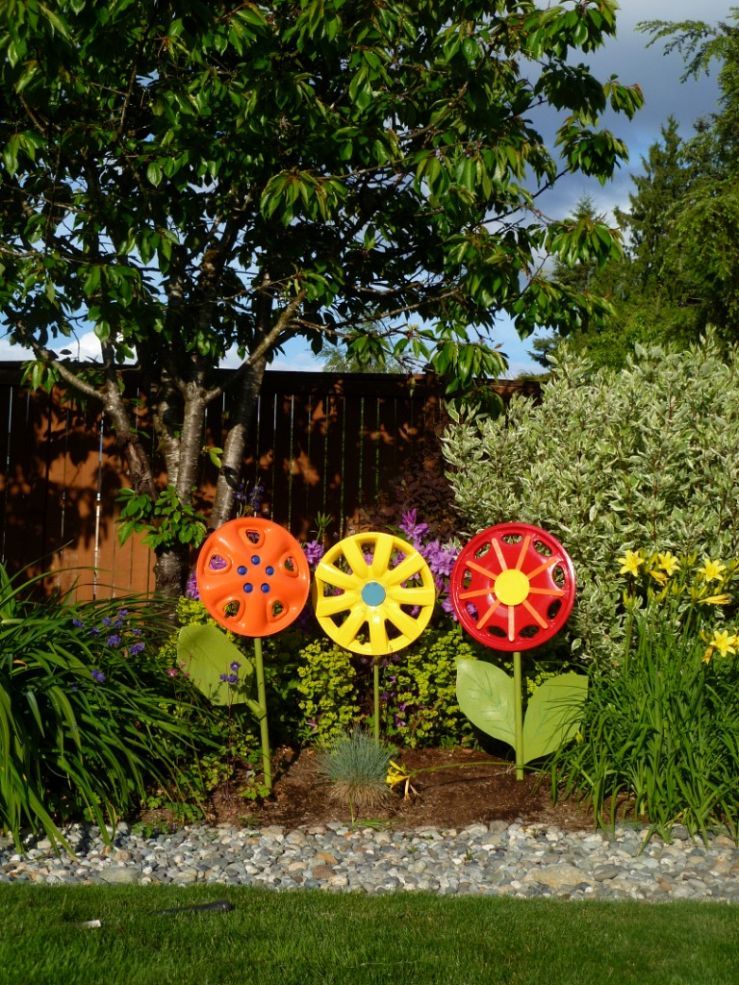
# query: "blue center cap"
(373, 593)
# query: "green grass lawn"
(313, 937)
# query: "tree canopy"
(677, 275)
(187, 177)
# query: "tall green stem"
(263, 725)
(518, 712)
(376, 682)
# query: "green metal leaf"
(205, 653)
(485, 695)
(553, 714)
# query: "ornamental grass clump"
(87, 720)
(357, 767)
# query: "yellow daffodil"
(668, 563)
(712, 570)
(723, 641)
(716, 599)
(631, 562)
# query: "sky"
(626, 56)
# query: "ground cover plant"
(320, 938)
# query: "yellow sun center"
(511, 586)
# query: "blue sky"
(627, 57)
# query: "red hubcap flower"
(513, 586)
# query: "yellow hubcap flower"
(373, 593)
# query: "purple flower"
(235, 665)
(77, 623)
(122, 613)
(255, 496)
(136, 649)
(313, 551)
(107, 621)
(97, 675)
(413, 530)
(229, 678)
(191, 589)
(114, 640)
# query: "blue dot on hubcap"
(373, 593)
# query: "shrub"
(86, 719)
(327, 685)
(642, 458)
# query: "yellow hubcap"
(511, 586)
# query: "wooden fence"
(357, 447)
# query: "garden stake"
(262, 714)
(518, 711)
(376, 676)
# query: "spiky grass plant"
(356, 766)
(87, 720)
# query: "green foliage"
(419, 691)
(643, 459)
(214, 664)
(86, 716)
(660, 733)
(486, 695)
(357, 768)
(327, 685)
(166, 521)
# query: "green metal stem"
(262, 714)
(376, 683)
(518, 712)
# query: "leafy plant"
(166, 521)
(327, 685)
(660, 732)
(643, 457)
(357, 767)
(86, 722)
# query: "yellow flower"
(722, 641)
(707, 655)
(668, 563)
(659, 576)
(716, 600)
(397, 775)
(712, 570)
(631, 561)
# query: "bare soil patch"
(471, 787)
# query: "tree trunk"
(229, 475)
(170, 571)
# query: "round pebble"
(497, 859)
